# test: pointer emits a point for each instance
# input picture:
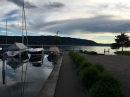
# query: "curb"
(49, 87)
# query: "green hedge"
(89, 76)
(122, 52)
(81, 51)
(90, 52)
(107, 86)
(99, 67)
(83, 64)
(95, 78)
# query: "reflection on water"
(53, 58)
(36, 60)
(21, 78)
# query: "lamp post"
(57, 33)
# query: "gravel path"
(119, 65)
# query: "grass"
(122, 52)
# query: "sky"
(97, 20)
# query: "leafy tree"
(57, 40)
(121, 41)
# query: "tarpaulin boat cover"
(54, 48)
(17, 46)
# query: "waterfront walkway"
(119, 65)
(68, 84)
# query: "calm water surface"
(23, 79)
(99, 49)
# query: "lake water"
(24, 79)
(98, 49)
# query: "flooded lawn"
(23, 79)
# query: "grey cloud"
(103, 6)
(54, 5)
(120, 5)
(30, 5)
(98, 24)
(20, 3)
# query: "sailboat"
(18, 49)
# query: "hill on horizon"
(47, 40)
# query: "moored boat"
(16, 50)
(53, 51)
(36, 50)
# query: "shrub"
(85, 51)
(84, 64)
(122, 52)
(99, 67)
(95, 78)
(71, 53)
(75, 56)
(93, 53)
(90, 52)
(81, 51)
(79, 60)
(89, 76)
(106, 86)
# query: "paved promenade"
(68, 84)
(119, 65)
(63, 80)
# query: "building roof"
(17, 46)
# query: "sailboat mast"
(22, 22)
(6, 32)
(25, 23)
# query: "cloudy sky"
(97, 20)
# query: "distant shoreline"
(49, 40)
